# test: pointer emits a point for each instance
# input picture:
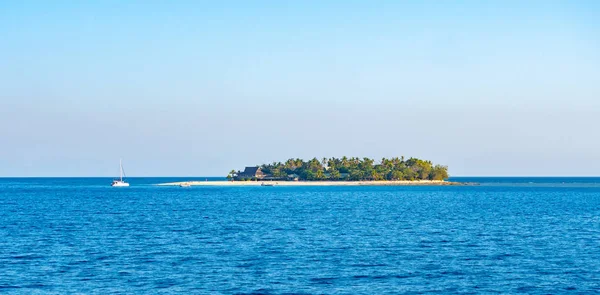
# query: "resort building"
(251, 172)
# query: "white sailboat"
(120, 182)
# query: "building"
(250, 172)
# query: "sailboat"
(120, 182)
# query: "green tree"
(232, 174)
(334, 174)
(395, 175)
(439, 172)
(279, 172)
(319, 175)
(307, 175)
(356, 175)
(409, 174)
(375, 175)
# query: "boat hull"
(120, 184)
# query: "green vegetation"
(231, 175)
(353, 169)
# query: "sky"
(197, 88)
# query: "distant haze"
(197, 88)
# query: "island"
(336, 172)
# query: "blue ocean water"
(507, 235)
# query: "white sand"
(312, 183)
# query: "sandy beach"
(312, 183)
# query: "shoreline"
(315, 183)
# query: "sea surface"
(506, 235)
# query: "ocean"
(506, 235)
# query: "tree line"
(354, 169)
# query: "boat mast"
(121, 168)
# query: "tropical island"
(343, 169)
(336, 171)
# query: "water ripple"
(86, 238)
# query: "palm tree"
(344, 161)
(231, 174)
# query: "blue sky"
(183, 88)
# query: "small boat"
(120, 182)
(185, 184)
(266, 184)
